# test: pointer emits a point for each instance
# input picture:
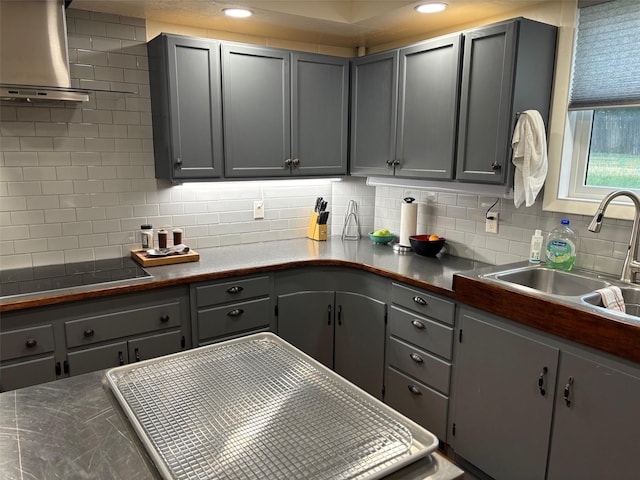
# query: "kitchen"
(79, 181)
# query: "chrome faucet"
(631, 265)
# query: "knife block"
(316, 231)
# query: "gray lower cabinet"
(186, 106)
(404, 110)
(596, 431)
(285, 113)
(507, 69)
(222, 310)
(502, 418)
(418, 357)
(338, 317)
(533, 406)
(342, 330)
(42, 344)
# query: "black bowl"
(423, 246)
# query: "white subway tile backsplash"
(24, 188)
(74, 201)
(68, 144)
(60, 187)
(14, 232)
(36, 144)
(88, 186)
(92, 213)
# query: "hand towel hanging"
(529, 144)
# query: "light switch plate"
(492, 222)
(258, 209)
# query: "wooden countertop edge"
(105, 291)
(603, 333)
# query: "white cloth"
(612, 298)
(529, 144)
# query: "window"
(602, 137)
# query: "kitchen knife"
(318, 203)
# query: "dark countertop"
(430, 273)
(74, 428)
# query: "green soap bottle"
(561, 247)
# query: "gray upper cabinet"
(404, 110)
(257, 111)
(320, 113)
(374, 99)
(507, 68)
(428, 92)
(285, 114)
(184, 76)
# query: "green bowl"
(381, 239)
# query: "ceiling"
(346, 23)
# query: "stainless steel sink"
(549, 281)
(631, 297)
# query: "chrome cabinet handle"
(89, 332)
(420, 300)
(120, 358)
(164, 318)
(236, 312)
(295, 162)
(413, 389)
(178, 161)
(31, 343)
(389, 163)
(566, 395)
(418, 324)
(287, 163)
(495, 166)
(541, 381)
(137, 353)
(235, 289)
(328, 314)
(396, 163)
(416, 358)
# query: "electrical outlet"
(258, 209)
(492, 222)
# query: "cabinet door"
(502, 420)
(97, 358)
(374, 98)
(311, 332)
(428, 92)
(359, 341)
(320, 105)
(187, 107)
(486, 104)
(596, 435)
(24, 374)
(257, 111)
(154, 346)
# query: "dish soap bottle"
(536, 247)
(561, 247)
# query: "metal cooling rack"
(259, 409)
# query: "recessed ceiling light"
(433, 7)
(237, 12)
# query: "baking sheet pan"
(258, 408)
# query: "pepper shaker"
(162, 238)
(177, 236)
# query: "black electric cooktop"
(69, 276)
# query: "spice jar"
(177, 236)
(162, 238)
(146, 236)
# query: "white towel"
(612, 298)
(529, 144)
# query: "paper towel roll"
(408, 222)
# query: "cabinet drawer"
(429, 335)
(26, 342)
(23, 374)
(423, 303)
(419, 364)
(155, 346)
(418, 402)
(121, 324)
(231, 291)
(98, 358)
(233, 318)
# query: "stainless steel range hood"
(34, 58)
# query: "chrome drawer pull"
(418, 324)
(420, 300)
(567, 392)
(413, 389)
(89, 332)
(416, 358)
(30, 343)
(541, 381)
(164, 318)
(236, 312)
(235, 289)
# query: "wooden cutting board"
(141, 257)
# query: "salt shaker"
(146, 236)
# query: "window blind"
(606, 59)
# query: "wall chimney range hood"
(34, 57)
